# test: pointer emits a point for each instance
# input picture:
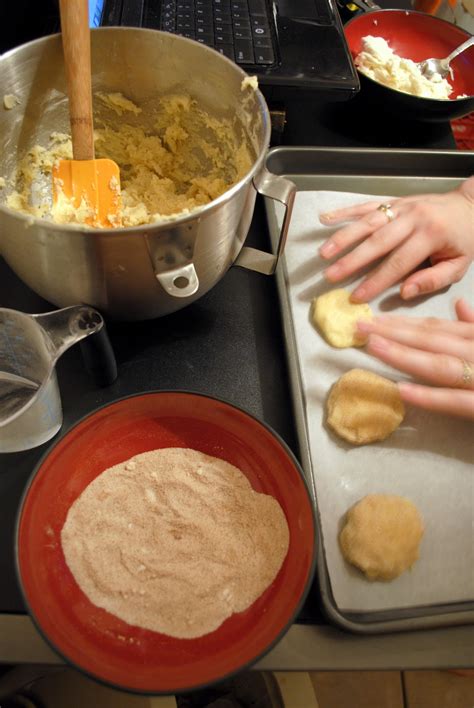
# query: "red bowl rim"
(238, 669)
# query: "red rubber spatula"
(92, 186)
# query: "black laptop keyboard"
(239, 29)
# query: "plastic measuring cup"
(30, 345)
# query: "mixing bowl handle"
(182, 280)
(283, 190)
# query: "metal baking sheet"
(383, 172)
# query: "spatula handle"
(77, 58)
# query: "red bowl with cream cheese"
(416, 36)
(97, 642)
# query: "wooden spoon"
(92, 186)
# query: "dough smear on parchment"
(381, 535)
(363, 407)
(335, 316)
(174, 541)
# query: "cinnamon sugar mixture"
(174, 541)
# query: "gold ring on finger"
(387, 210)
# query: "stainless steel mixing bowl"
(150, 270)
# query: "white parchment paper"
(428, 459)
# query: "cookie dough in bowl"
(174, 157)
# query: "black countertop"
(357, 123)
(229, 344)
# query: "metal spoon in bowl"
(430, 67)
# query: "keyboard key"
(208, 40)
(223, 15)
(262, 42)
(259, 22)
(227, 50)
(205, 33)
(243, 51)
(239, 15)
(205, 12)
(223, 23)
(264, 55)
(242, 34)
(168, 25)
(260, 32)
(241, 24)
(257, 7)
(223, 37)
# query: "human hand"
(435, 226)
(439, 351)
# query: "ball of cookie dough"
(363, 407)
(382, 535)
(335, 316)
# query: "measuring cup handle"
(99, 359)
(81, 323)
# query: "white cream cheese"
(378, 61)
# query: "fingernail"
(410, 291)
(327, 249)
(326, 217)
(377, 344)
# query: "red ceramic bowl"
(416, 36)
(95, 641)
